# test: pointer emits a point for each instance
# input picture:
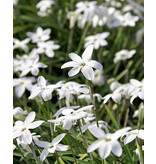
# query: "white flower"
(139, 112)
(70, 115)
(123, 55)
(15, 2)
(116, 96)
(43, 5)
(21, 84)
(88, 9)
(22, 129)
(88, 98)
(127, 19)
(102, 124)
(106, 142)
(98, 78)
(114, 85)
(51, 147)
(136, 90)
(47, 48)
(72, 16)
(32, 65)
(71, 89)
(131, 135)
(19, 111)
(40, 35)
(101, 17)
(97, 40)
(42, 89)
(21, 44)
(84, 64)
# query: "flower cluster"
(99, 102)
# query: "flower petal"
(87, 54)
(116, 148)
(105, 150)
(30, 118)
(57, 139)
(35, 124)
(129, 138)
(75, 58)
(95, 64)
(44, 154)
(121, 132)
(74, 71)
(46, 95)
(19, 90)
(96, 132)
(94, 146)
(41, 81)
(88, 72)
(27, 137)
(61, 147)
(35, 92)
(42, 144)
(69, 64)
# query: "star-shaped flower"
(85, 64)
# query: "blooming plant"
(78, 82)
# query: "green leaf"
(112, 117)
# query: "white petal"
(41, 81)
(88, 72)
(35, 71)
(85, 108)
(57, 139)
(27, 137)
(121, 132)
(35, 124)
(61, 147)
(69, 64)
(116, 148)
(116, 97)
(94, 146)
(129, 138)
(19, 90)
(50, 53)
(105, 150)
(30, 118)
(87, 54)
(46, 95)
(141, 134)
(96, 132)
(75, 58)
(74, 71)
(44, 154)
(42, 144)
(95, 64)
(35, 92)
(67, 124)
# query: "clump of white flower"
(98, 78)
(97, 40)
(123, 55)
(44, 7)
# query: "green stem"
(82, 37)
(93, 102)
(22, 154)
(128, 154)
(34, 153)
(56, 156)
(141, 158)
(72, 151)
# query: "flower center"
(22, 83)
(83, 64)
(39, 38)
(108, 139)
(51, 147)
(43, 89)
(23, 129)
